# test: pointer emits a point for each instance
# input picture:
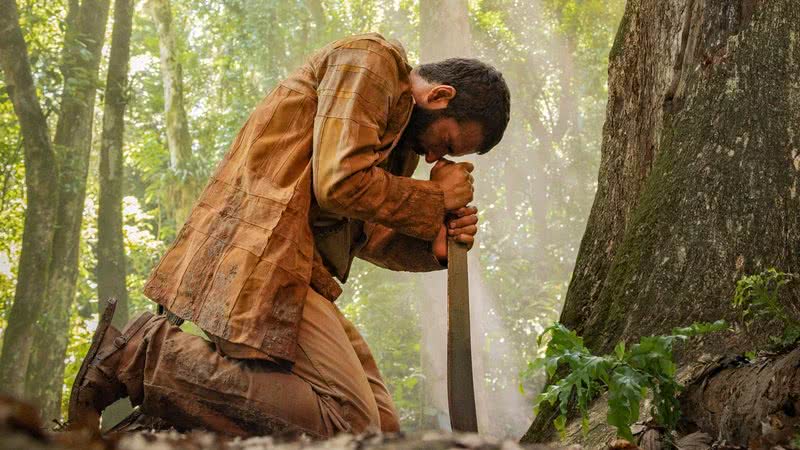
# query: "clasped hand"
(456, 182)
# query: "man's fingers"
(463, 221)
(467, 165)
(469, 229)
(466, 239)
(466, 211)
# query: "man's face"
(434, 135)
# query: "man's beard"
(421, 119)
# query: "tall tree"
(83, 43)
(110, 243)
(40, 174)
(111, 267)
(177, 125)
(698, 181)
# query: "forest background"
(534, 191)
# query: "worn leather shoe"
(96, 385)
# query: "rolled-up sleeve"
(355, 96)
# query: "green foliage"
(627, 374)
(12, 205)
(757, 298)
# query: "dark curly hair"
(481, 95)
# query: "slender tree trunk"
(82, 52)
(40, 173)
(698, 183)
(110, 244)
(178, 139)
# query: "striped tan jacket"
(313, 178)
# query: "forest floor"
(21, 428)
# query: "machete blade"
(460, 389)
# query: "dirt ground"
(21, 428)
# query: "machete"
(460, 391)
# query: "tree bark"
(753, 404)
(83, 44)
(698, 183)
(110, 243)
(179, 141)
(111, 267)
(40, 173)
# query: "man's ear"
(439, 96)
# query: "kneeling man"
(319, 174)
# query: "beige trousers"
(334, 386)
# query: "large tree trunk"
(178, 139)
(699, 174)
(83, 43)
(40, 174)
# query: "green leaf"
(756, 296)
(560, 424)
(628, 374)
(698, 328)
(619, 350)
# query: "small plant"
(757, 297)
(627, 374)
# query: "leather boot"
(96, 385)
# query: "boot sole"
(99, 333)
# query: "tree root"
(756, 404)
